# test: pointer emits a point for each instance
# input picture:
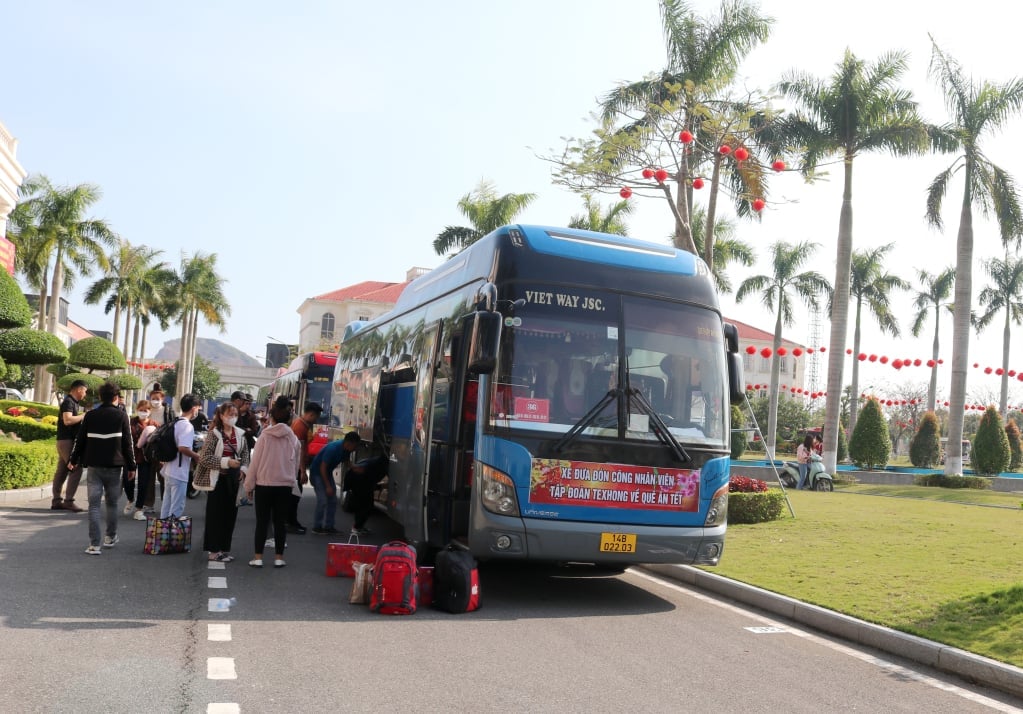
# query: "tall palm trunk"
(142, 353)
(55, 289)
(192, 350)
(1003, 399)
(179, 388)
(932, 388)
(132, 395)
(854, 390)
(127, 332)
(960, 330)
(117, 318)
(839, 324)
(40, 370)
(772, 404)
(683, 217)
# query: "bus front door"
(414, 493)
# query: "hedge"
(26, 465)
(755, 507)
(44, 409)
(27, 428)
(24, 345)
(954, 481)
(14, 308)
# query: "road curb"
(24, 495)
(966, 665)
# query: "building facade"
(757, 369)
(11, 176)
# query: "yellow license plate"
(617, 542)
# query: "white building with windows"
(11, 176)
(757, 368)
(322, 318)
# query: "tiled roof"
(369, 291)
(77, 331)
(748, 332)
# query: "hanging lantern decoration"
(809, 350)
(946, 404)
(872, 358)
(626, 192)
(931, 363)
(823, 349)
(987, 370)
(661, 175)
(976, 365)
(685, 136)
(941, 361)
(782, 351)
(883, 359)
(1012, 373)
(697, 183)
(758, 204)
(648, 173)
(917, 362)
(897, 364)
(778, 165)
(848, 350)
(861, 357)
(766, 352)
(749, 387)
(999, 371)
(797, 352)
(725, 150)
(751, 350)
(741, 154)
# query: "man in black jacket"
(103, 446)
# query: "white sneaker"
(128, 508)
(140, 516)
(93, 550)
(109, 542)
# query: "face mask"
(155, 403)
(230, 421)
(143, 415)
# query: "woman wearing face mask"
(225, 452)
(140, 424)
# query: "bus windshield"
(559, 362)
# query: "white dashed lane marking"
(215, 565)
(216, 583)
(223, 708)
(220, 668)
(216, 632)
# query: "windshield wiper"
(587, 419)
(660, 428)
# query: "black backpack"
(456, 581)
(161, 446)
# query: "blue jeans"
(326, 506)
(173, 498)
(804, 470)
(104, 481)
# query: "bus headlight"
(498, 491)
(717, 514)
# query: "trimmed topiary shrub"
(953, 481)
(925, 447)
(738, 437)
(23, 465)
(750, 501)
(23, 345)
(1015, 446)
(14, 309)
(126, 381)
(27, 428)
(93, 380)
(96, 353)
(870, 445)
(990, 453)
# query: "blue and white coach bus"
(551, 394)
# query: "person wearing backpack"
(175, 470)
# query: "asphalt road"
(127, 632)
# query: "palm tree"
(774, 291)
(596, 219)
(63, 236)
(728, 248)
(486, 212)
(1005, 293)
(703, 56)
(937, 289)
(868, 283)
(859, 109)
(198, 294)
(977, 109)
(114, 284)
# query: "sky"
(316, 144)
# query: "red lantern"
(741, 154)
(917, 362)
(648, 173)
(888, 403)
(725, 149)
(861, 357)
(749, 387)
(766, 352)
(661, 175)
(758, 204)
(751, 350)
(931, 363)
(685, 136)
(782, 351)
(976, 365)
(848, 350)
(897, 364)
(987, 370)
(884, 359)
(625, 192)
(999, 371)
(1012, 373)
(946, 404)
(872, 358)
(809, 350)
(697, 183)
(778, 165)
(797, 352)
(823, 349)
(941, 361)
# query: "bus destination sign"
(585, 483)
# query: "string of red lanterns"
(150, 366)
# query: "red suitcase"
(340, 557)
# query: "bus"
(306, 379)
(551, 394)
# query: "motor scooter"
(817, 479)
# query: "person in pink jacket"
(270, 476)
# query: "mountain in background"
(220, 354)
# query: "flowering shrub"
(745, 484)
(49, 419)
(14, 411)
(32, 412)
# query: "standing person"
(304, 428)
(68, 422)
(226, 452)
(322, 473)
(104, 447)
(175, 471)
(247, 420)
(158, 412)
(803, 457)
(142, 428)
(270, 475)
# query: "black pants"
(128, 485)
(221, 514)
(273, 503)
(362, 486)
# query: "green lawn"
(950, 572)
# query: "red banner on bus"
(585, 483)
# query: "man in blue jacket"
(103, 446)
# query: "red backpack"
(395, 580)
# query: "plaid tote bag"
(168, 535)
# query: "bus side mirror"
(483, 332)
(731, 337)
(736, 387)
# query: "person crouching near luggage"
(270, 476)
(322, 474)
(225, 452)
(104, 447)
